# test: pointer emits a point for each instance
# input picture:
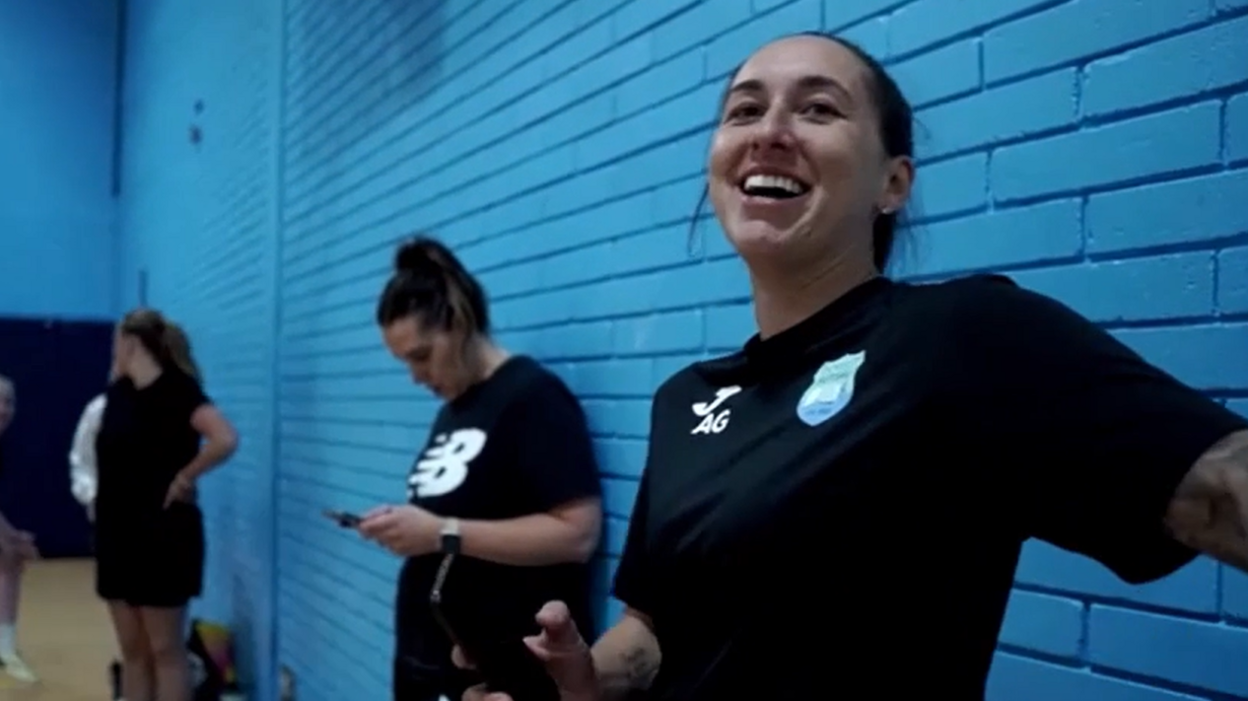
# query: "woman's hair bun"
(418, 256)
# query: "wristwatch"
(450, 536)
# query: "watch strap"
(450, 536)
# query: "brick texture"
(1096, 149)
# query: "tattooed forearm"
(627, 659)
(1209, 511)
(641, 664)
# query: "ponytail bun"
(430, 282)
(420, 256)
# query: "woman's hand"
(407, 530)
(181, 489)
(26, 545)
(563, 651)
(19, 546)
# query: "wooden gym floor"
(64, 635)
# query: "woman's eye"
(744, 111)
(821, 109)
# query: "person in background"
(507, 478)
(159, 433)
(83, 473)
(17, 547)
(838, 508)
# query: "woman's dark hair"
(431, 283)
(896, 127)
(164, 339)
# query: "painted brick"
(925, 22)
(1193, 63)
(1211, 659)
(1206, 356)
(1047, 624)
(730, 49)
(1151, 146)
(956, 186)
(838, 15)
(1193, 589)
(1165, 214)
(758, 6)
(871, 36)
(1236, 129)
(941, 74)
(1137, 289)
(1087, 28)
(703, 23)
(559, 146)
(1002, 114)
(1235, 594)
(1233, 281)
(639, 16)
(729, 327)
(1048, 232)
(1017, 678)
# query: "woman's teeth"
(774, 186)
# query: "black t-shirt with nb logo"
(842, 506)
(514, 445)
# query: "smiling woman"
(851, 142)
(878, 442)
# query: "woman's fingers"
(479, 693)
(460, 659)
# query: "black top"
(849, 512)
(514, 445)
(145, 438)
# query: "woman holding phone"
(507, 478)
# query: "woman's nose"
(774, 130)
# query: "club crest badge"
(831, 389)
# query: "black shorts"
(156, 563)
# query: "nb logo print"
(444, 465)
(714, 421)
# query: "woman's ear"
(897, 186)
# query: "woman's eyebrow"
(807, 82)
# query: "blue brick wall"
(201, 221)
(1096, 149)
(57, 213)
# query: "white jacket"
(82, 469)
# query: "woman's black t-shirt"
(842, 506)
(145, 438)
(515, 445)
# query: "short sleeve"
(555, 454)
(1097, 438)
(632, 576)
(186, 395)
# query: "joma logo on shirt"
(714, 421)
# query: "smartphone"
(343, 518)
(503, 662)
